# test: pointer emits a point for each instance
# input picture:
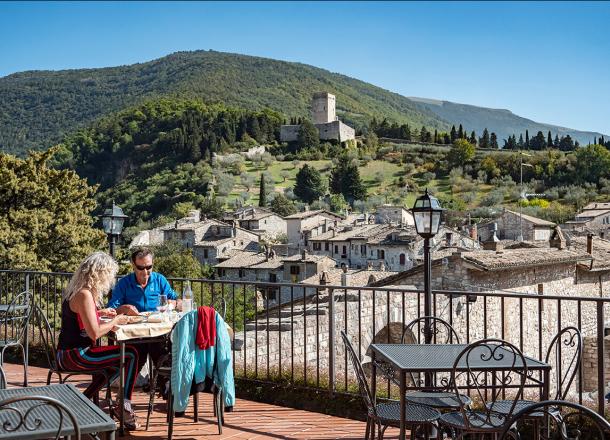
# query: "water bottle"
(187, 298)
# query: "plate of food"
(135, 319)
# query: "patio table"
(90, 418)
(438, 358)
(141, 333)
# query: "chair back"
(489, 368)
(2, 379)
(220, 305)
(363, 386)
(441, 331)
(16, 317)
(47, 337)
(33, 413)
(563, 420)
(565, 355)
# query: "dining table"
(440, 358)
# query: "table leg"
(121, 396)
(403, 404)
(374, 378)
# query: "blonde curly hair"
(96, 273)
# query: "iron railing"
(297, 342)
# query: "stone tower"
(323, 108)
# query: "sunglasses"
(143, 267)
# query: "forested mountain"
(38, 108)
(503, 122)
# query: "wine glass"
(162, 307)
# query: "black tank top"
(72, 334)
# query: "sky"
(546, 61)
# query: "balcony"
(297, 345)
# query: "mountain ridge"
(38, 108)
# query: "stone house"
(398, 215)
(302, 226)
(510, 225)
(260, 220)
(594, 218)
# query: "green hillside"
(38, 108)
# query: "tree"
(549, 140)
(345, 179)
(461, 153)
(592, 163)
(460, 133)
(45, 215)
(453, 134)
(424, 134)
(308, 136)
(309, 186)
(282, 206)
(538, 142)
(527, 140)
(174, 260)
(473, 138)
(493, 141)
(284, 174)
(566, 143)
(262, 193)
(338, 203)
(484, 140)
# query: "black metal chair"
(15, 319)
(2, 379)
(575, 422)
(442, 332)
(163, 368)
(382, 415)
(565, 345)
(16, 414)
(474, 368)
(50, 347)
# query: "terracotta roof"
(597, 205)
(247, 213)
(310, 258)
(519, 258)
(306, 214)
(355, 278)
(591, 213)
(600, 252)
(529, 218)
(345, 234)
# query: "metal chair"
(566, 345)
(16, 414)
(474, 368)
(163, 368)
(50, 348)
(575, 422)
(2, 379)
(15, 318)
(387, 414)
(442, 333)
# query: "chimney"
(234, 229)
(474, 233)
(324, 278)
(344, 274)
(304, 254)
(557, 240)
(589, 244)
(449, 238)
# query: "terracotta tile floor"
(250, 420)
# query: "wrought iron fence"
(295, 338)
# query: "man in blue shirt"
(139, 291)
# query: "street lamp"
(427, 213)
(112, 220)
(521, 165)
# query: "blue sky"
(547, 61)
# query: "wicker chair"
(566, 345)
(487, 384)
(15, 320)
(382, 415)
(15, 416)
(564, 420)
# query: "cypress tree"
(453, 134)
(484, 140)
(262, 193)
(527, 140)
(473, 138)
(493, 141)
(556, 141)
(460, 133)
(549, 140)
(436, 136)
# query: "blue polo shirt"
(128, 291)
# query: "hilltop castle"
(324, 118)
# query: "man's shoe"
(130, 419)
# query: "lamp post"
(521, 195)
(112, 220)
(427, 213)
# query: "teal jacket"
(189, 363)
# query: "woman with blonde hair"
(81, 328)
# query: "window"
(272, 278)
(344, 253)
(241, 273)
(403, 259)
(326, 246)
(317, 246)
(363, 249)
(336, 249)
(295, 270)
(221, 272)
(380, 254)
(205, 253)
